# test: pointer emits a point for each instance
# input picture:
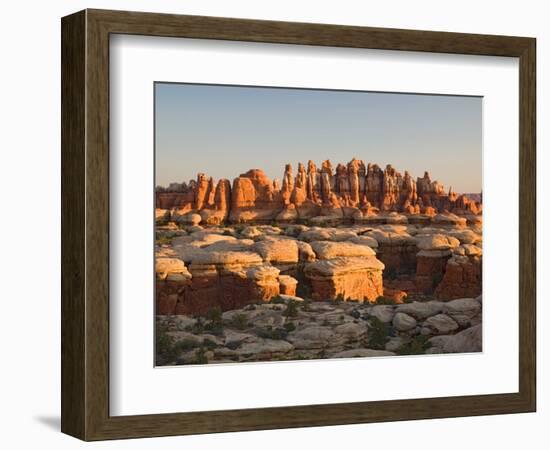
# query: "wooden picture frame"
(85, 224)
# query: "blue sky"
(226, 130)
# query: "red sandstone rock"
(396, 295)
(358, 278)
(430, 269)
(462, 278)
(287, 285)
(349, 192)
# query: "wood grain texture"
(73, 227)
(85, 224)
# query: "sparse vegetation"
(291, 309)
(214, 314)
(385, 301)
(239, 321)
(306, 305)
(200, 356)
(378, 334)
(214, 322)
(233, 345)
(289, 326)
(165, 351)
(277, 300)
(273, 333)
(197, 327)
(164, 238)
(416, 346)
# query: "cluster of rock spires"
(352, 191)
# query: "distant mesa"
(352, 192)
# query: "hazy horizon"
(224, 131)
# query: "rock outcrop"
(358, 278)
(292, 329)
(327, 194)
(350, 231)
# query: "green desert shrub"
(209, 344)
(200, 356)
(289, 326)
(416, 346)
(384, 301)
(277, 300)
(214, 314)
(233, 345)
(378, 333)
(214, 322)
(167, 349)
(276, 334)
(165, 352)
(164, 238)
(197, 327)
(239, 321)
(291, 309)
(186, 345)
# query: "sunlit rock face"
(200, 268)
(326, 232)
(357, 278)
(329, 193)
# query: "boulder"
(466, 341)
(351, 331)
(436, 242)
(439, 324)
(277, 250)
(168, 267)
(287, 285)
(421, 310)
(188, 218)
(330, 250)
(403, 322)
(384, 313)
(358, 278)
(305, 252)
(463, 310)
(313, 337)
(462, 278)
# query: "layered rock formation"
(202, 268)
(347, 191)
(370, 233)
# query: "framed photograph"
(273, 225)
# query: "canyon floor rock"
(284, 330)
